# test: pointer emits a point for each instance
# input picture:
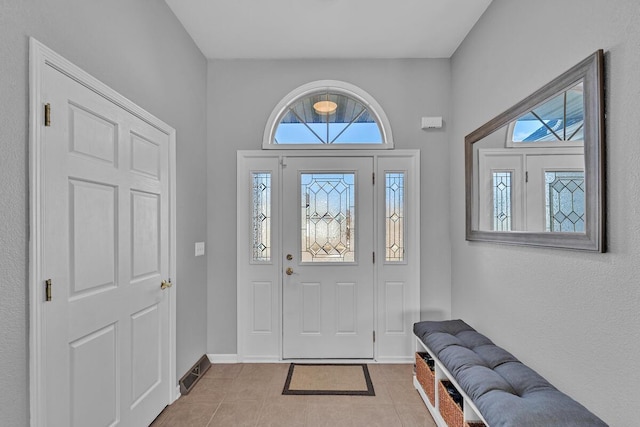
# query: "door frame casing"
(41, 57)
(271, 343)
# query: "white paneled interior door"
(328, 244)
(106, 347)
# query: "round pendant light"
(325, 107)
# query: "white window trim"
(333, 86)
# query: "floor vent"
(191, 378)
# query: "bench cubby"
(428, 382)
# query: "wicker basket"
(449, 409)
(425, 376)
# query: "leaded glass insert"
(565, 201)
(261, 216)
(502, 213)
(394, 216)
(328, 217)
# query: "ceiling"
(279, 29)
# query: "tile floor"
(251, 395)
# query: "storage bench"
(495, 388)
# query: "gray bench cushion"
(505, 391)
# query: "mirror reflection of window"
(534, 189)
(565, 201)
(502, 212)
(559, 120)
(548, 143)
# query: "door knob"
(289, 271)
(166, 284)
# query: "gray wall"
(574, 317)
(242, 95)
(140, 49)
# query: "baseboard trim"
(223, 358)
(395, 360)
(234, 358)
(262, 359)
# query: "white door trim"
(40, 57)
(266, 345)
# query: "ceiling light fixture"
(325, 107)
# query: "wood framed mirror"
(534, 175)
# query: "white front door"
(327, 257)
(105, 249)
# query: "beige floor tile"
(276, 385)
(403, 392)
(375, 416)
(279, 398)
(415, 416)
(283, 415)
(395, 371)
(260, 370)
(208, 389)
(237, 414)
(246, 389)
(188, 414)
(262, 376)
(323, 415)
(224, 370)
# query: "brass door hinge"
(47, 114)
(47, 289)
(373, 178)
(374, 257)
(374, 336)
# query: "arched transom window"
(327, 114)
(557, 122)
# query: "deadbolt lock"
(289, 257)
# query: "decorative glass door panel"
(261, 216)
(328, 217)
(394, 217)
